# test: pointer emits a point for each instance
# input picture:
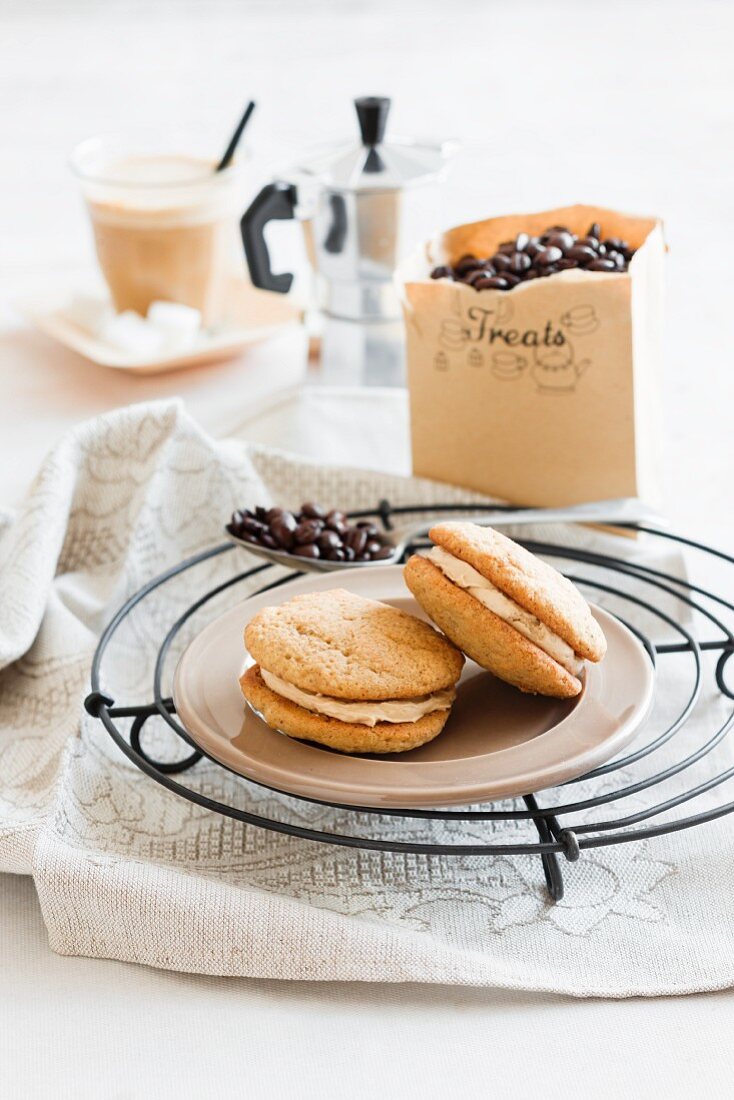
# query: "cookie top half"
(340, 644)
(529, 581)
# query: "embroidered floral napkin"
(126, 870)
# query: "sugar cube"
(130, 332)
(179, 325)
(88, 312)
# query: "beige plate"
(496, 744)
(257, 314)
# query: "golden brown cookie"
(538, 629)
(339, 644)
(384, 737)
(484, 637)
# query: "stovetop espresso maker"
(362, 206)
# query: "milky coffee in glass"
(165, 226)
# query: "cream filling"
(362, 714)
(527, 624)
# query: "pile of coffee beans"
(526, 257)
(313, 532)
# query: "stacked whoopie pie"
(350, 673)
(512, 613)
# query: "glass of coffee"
(166, 224)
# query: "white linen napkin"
(125, 869)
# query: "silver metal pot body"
(356, 239)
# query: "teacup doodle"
(580, 320)
(507, 365)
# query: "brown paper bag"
(547, 394)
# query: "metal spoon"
(623, 510)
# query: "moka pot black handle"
(276, 202)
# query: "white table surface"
(628, 105)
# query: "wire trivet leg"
(551, 866)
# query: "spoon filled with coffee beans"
(314, 539)
(319, 540)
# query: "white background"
(624, 104)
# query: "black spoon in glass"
(234, 141)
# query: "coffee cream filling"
(361, 714)
(472, 581)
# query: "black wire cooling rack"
(567, 827)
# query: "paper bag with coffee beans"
(546, 393)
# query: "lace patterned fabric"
(126, 870)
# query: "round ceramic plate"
(497, 742)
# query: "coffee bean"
(253, 526)
(473, 276)
(589, 242)
(386, 552)
(618, 259)
(533, 247)
(532, 274)
(349, 554)
(307, 531)
(269, 542)
(602, 264)
(594, 230)
(617, 244)
(442, 272)
(495, 282)
(335, 555)
(565, 264)
(510, 278)
(548, 256)
(467, 264)
(581, 253)
(312, 511)
(507, 247)
(501, 262)
(328, 540)
(522, 240)
(261, 514)
(356, 539)
(369, 527)
(519, 263)
(373, 546)
(562, 240)
(307, 550)
(282, 536)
